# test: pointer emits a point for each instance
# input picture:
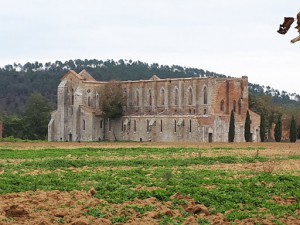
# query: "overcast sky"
(231, 37)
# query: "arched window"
(234, 106)
(89, 101)
(72, 99)
(222, 106)
(150, 97)
(176, 97)
(137, 95)
(83, 124)
(162, 96)
(240, 106)
(205, 95)
(97, 100)
(190, 96)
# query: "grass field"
(149, 183)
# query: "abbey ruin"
(180, 109)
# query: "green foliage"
(293, 130)
(18, 82)
(262, 131)
(141, 209)
(36, 117)
(231, 133)
(120, 219)
(247, 132)
(241, 194)
(96, 212)
(203, 221)
(113, 100)
(278, 130)
(13, 127)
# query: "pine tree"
(262, 131)
(293, 130)
(247, 133)
(231, 127)
(278, 130)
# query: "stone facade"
(185, 109)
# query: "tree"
(231, 127)
(112, 100)
(13, 126)
(278, 129)
(293, 130)
(36, 117)
(262, 131)
(247, 133)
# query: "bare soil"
(56, 207)
(270, 146)
(82, 208)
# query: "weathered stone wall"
(189, 109)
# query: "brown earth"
(77, 208)
(81, 208)
(277, 147)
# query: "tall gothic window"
(240, 106)
(234, 105)
(190, 96)
(89, 101)
(162, 93)
(72, 100)
(205, 95)
(134, 125)
(137, 98)
(176, 97)
(222, 106)
(150, 97)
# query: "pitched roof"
(83, 75)
(154, 77)
(86, 76)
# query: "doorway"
(210, 137)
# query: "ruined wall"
(185, 109)
(171, 129)
(168, 96)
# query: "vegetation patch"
(161, 190)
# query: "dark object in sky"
(298, 22)
(298, 28)
(283, 28)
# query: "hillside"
(18, 81)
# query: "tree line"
(18, 82)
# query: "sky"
(231, 37)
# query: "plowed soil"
(82, 208)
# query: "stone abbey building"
(181, 109)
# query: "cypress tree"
(278, 130)
(231, 127)
(247, 132)
(262, 131)
(293, 130)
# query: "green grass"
(240, 194)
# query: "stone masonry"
(181, 109)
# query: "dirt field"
(82, 207)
